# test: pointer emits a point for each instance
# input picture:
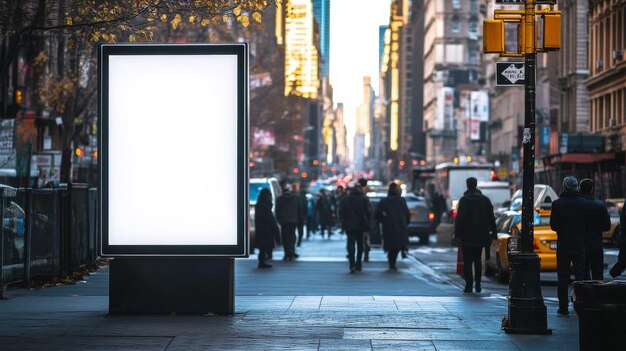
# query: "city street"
(322, 269)
(312, 303)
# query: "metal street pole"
(527, 312)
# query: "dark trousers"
(355, 238)
(620, 265)
(472, 258)
(594, 264)
(300, 232)
(392, 257)
(263, 255)
(563, 262)
(288, 237)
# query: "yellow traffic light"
(18, 97)
(552, 32)
(493, 36)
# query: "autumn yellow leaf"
(176, 21)
(105, 36)
(131, 38)
(192, 19)
(237, 10)
(259, 5)
(244, 20)
(257, 16)
(163, 17)
(41, 57)
(68, 21)
(205, 22)
(225, 18)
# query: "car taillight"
(431, 216)
(452, 213)
(535, 246)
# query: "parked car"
(543, 197)
(422, 222)
(497, 192)
(613, 235)
(256, 185)
(509, 225)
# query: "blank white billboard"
(174, 149)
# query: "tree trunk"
(66, 164)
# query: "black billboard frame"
(241, 249)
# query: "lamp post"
(526, 311)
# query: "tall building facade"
(451, 64)
(321, 13)
(416, 71)
(363, 132)
(573, 69)
(301, 50)
(607, 71)
(394, 86)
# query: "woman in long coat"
(394, 214)
(265, 226)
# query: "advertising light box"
(173, 146)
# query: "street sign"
(510, 73)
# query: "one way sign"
(509, 73)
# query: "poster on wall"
(445, 109)
(182, 109)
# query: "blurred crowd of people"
(342, 211)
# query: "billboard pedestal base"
(172, 285)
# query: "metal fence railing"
(49, 233)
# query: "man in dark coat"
(302, 215)
(287, 213)
(620, 265)
(355, 216)
(265, 226)
(394, 214)
(568, 220)
(340, 195)
(475, 227)
(598, 220)
(324, 212)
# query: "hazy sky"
(354, 51)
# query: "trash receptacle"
(601, 308)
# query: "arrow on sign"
(513, 74)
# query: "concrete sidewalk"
(76, 317)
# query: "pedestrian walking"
(568, 220)
(366, 235)
(355, 215)
(266, 228)
(325, 214)
(340, 195)
(394, 215)
(598, 221)
(311, 222)
(287, 213)
(302, 215)
(475, 227)
(620, 265)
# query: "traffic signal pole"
(527, 312)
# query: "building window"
(473, 55)
(473, 28)
(456, 4)
(455, 24)
(473, 6)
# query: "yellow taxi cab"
(614, 206)
(509, 225)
